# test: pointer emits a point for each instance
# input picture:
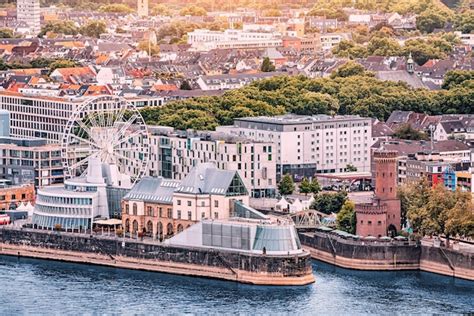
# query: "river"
(30, 286)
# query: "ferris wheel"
(110, 129)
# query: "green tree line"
(358, 94)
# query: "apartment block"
(173, 154)
(28, 12)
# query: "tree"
(349, 49)
(161, 9)
(457, 77)
(61, 63)
(435, 211)
(351, 168)
(329, 13)
(328, 203)
(185, 85)
(346, 218)
(149, 48)
(286, 185)
(93, 28)
(383, 46)
(430, 20)
(422, 50)
(116, 8)
(350, 68)
(464, 22)
(314, 186)
(6, 33)
(272, 13)
(193, 11)
(406, 131)
(267, 65)
(305, 186)
(59, 27)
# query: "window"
(179, 214)
(189, 215)
(170, 213)
(160, 212)
(149, 211)
(178, 202)
(216, 203)
(134, 209)
(216, 215)
(126, 209)
(203, 215)
(369, 222)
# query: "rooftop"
(300, 119)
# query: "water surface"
(31, 286)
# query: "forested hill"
(356, 93)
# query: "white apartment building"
(204, 40)
(306, 145)
(173, 154)
(28, 12)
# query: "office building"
(32, 161)
(306, 145)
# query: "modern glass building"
(254, 233)
(80, 201)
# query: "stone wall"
(294, 266)
(390, 255)
(361, 255)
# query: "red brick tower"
(382, 216)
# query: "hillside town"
(254, 129)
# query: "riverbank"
(387, 255)
(248, 268)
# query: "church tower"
(142, 8)
(410, 65)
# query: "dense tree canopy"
(59, 27)
(160, 9)
(116, 8)
(193, 11)
(328, 203)
(93, 28)
(6, 33)
(464, 21)
(362, 95)
(455, 78)
(430, 20)
(436, 211)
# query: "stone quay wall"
(241, 267)
(390, 255)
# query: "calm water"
(46, 287)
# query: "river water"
(31, 286)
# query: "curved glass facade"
(275, 238)
(70, 206)
(42, 221)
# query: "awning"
(110, 222)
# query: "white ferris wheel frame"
(111, 116)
